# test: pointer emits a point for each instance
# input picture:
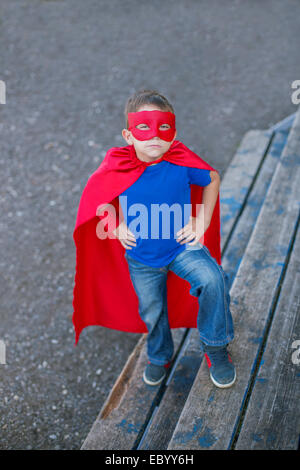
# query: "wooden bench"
(259, 196)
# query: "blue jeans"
(209, 283)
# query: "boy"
(159, 171)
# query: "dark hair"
(144, 96)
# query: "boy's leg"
(209, 283)
(150, 285)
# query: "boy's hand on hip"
(193, 230)
(125, 236)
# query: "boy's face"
(149, 149)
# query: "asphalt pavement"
(69, 67)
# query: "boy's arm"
(122, 232)
(111, 215)
(209, 199)
(125, 235)
(197, 226)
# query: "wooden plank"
(285, 124)
(165, 417)
(243, 227)
(239, 177)
(272, 419)
(209, 417)
(124, 414)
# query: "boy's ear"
(126, 134)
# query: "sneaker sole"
(148, 382)
(219, 385)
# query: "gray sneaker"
(221, 368)
(154, 374)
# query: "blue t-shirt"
(156, 206)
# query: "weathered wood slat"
(124, 413)
(285, 124)
(239, 177)
(272, 419)
(210, 415)
(165, 419)
(255, 197)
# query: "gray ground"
(69, 67)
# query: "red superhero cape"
(103, 291)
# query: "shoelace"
(220, 356)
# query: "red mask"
(153, 119)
